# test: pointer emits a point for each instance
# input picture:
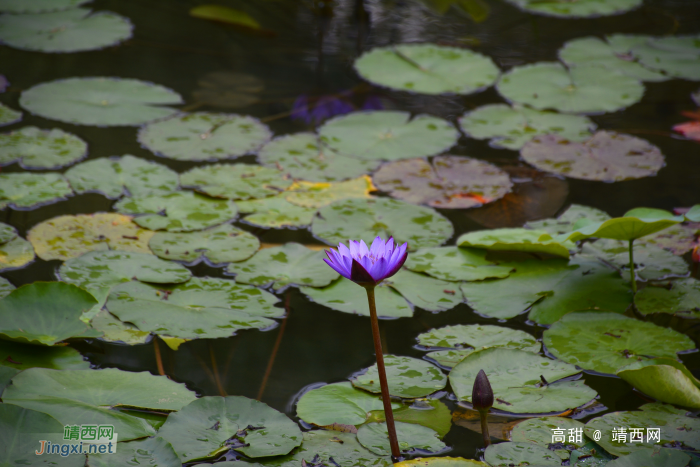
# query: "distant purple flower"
(373, 103)
(367, 266)
(3, 83)
(318, 109)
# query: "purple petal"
(380, 268)
(364, 251)
(354, 249)
(389, 245)
(360, 275)
(338, 261)
(397, 260)
(343, 250)
(377, 249)
(337, 269)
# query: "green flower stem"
(485, 427)
(388, 413)
(633, 277)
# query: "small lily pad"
(651, 262)
(520, 454)
(275, 212)
(451, 263)
(15, 254)
(478, 336)
(407, 377)
(338, 403)
(577, 9)
(388, 135)
(222, 244)
(117, 176)
(38, 6)
(35, 148)
(539, 431)
(676, 56)
(682, 299)
(204, 136)
(515, 239)
(605, 342)
(9, 116)
(319, 194)
(23, 356)
(566, 221)
(510, 127)
(664, 379)
(375, 437)
(24, 191)
(116, 331)
(180, 211)
(100, 101)
(427, 69)
(153, 451)
(235, 181)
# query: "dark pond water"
(311, 52)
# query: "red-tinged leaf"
(689, 130)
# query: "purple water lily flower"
(367, 266)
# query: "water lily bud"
(482, 394)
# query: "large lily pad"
(427, 69)
(681, 299)
(222, 244)
(35, 148)
(94, 397)
(539, 431)
(204, 136)
(23, 356)
(180, 211)
(520, 454)
(23, 191)
(577, 9)
(153, 451)
(565, 222)
(450, 182)
(451, 263)
(605, 342)
(675, 56)
(9, 116)
(275, 212)
(510, 127)
(651, 262)
(236, 181)
(388, 135)
(319, 194)
(606, 156)
(73, 30)
(66, 237)
(285, 265)
(368, 218)
(589, 89)
(38, 6)
(338, 403)
(516, 377)
(15, 253)
(664, 379)
(375, 437)
(407, 377)
(515, 239)
(116, 176)
(201, 429)
(634, 224)
(100, 101)
(478, 336)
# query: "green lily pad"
(478, 336)
(515, 239)
(93, 397)
(74, 30)
(678, 239)
(7, 232)
(38, 6)
(24, 191)
(117, 331)
(606, 156)
(451, 182)
(375, 437)
(199, 308)
(566, 221)
(282, 266)
(664, 379)
(100, 101)
(150, 451)
(693, 215)
(673, 424)
(407, 377)
(577, 9)
(275, 212)
(441, 462)
(682, 299)
(6, 374)
(451, 263)
(204, 136)
(180, 211)
(510, 127)
(317, 195)
(15, 254)
(675, 56)
(23, 356)
(35, 148)
(9, 116)
(66, 237)
(651, 262)
(520, 454)
(116, 176)
(235, 181)
(605, 342)
(44, 312)
(427, 69)
(388, 135)
(425, 292)
(5, 287)
(634, 224)
(368, 218)
(222, 244)
(200, 430)
(431, 413)
(588, 89)
(539, 431)
(301, 156)
(658, 457)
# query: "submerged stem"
(633, 278)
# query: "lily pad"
(664, 379)
(441, 462)
(73, 30)
(94, 397)
(451, 263)
(658, 457)
(588, 89)
(282, 266)
(606, 156)
(510, 127)
(678, 239)
(204, 136)
(126, 175)
(235, 181)
(675, 56)
(651, 262)
(35, 148)
(7, 232)
(478, 336)
(605, 342)
(431, 413)
(15, 254)
(566, 221)
(682, 299)
(116, 331)
(9, 116)
(5, 287)
(44, 312)
(368, 218)
(66, 237)
(222, 244)
(375, 437)
(319, 194)
(539, 431)
(180, 211)
(515, 239)
(25, 191)
(200, 308)
(200, 430)
(520, 454)
(634, 224)
(578, 9)
(23, 356)
(150, 451)
(516, 380)
(427, 69)
(388, 135)
(451, 182)
(38, 6)
(302, 157)
(407, 377)
(693, 214)
(100, 101)
(275, 212)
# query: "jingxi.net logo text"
(81, 439)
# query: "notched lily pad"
(407, 377)
(117, 331)
(375, 437)
(676, 56)
(25, 191)
(222, 244)
(236, 181)
(35, 148)
(451, 263)
(681, 298)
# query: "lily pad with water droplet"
(478, 336)
(222, 244)
(407, 377)
(664, 379)
(539, 431)
(657, 457)
(275, 212)
(117, 176)
(9, 116)
(235, 181)
(578, 8)
(117, 331)
(515, 239)
(565, 222)
(25, 191)
(520, 454)
(319, 194)
(681, 298)
(676, 56)
(100, 101)
(606, 156)
(338, 403)
(368, 218)
(427, 69)
(73, 30)
(605, 342)
(38, 6)
(588, 89)
(388, 135)
(15, 253)
(204, 136)
(35, 148)
(23, 356)
(153, 451)
(375, 437)
(451, 263)
(510, 127)
(651, 262)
